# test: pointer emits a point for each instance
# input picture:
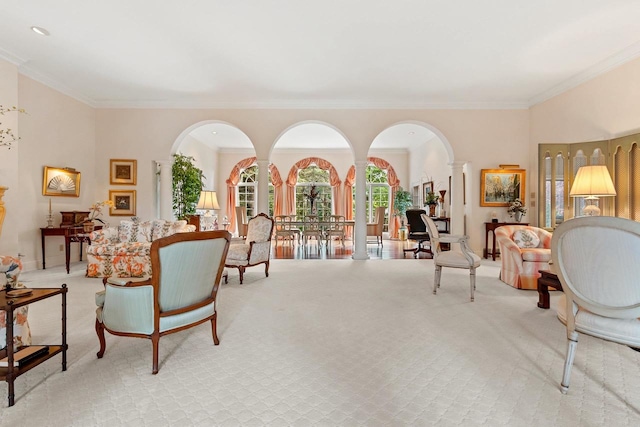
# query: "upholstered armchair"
(255, 249)
(181, 293)
(11, 267)
(375, 228)
(523, 251)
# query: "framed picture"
(122, 172)
(61, 182)
(427, 187)
(499, 187)
(124, 202)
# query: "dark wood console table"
(71, 235)
(8, 304)
(547, 278)
(490, 228)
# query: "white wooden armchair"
(255, 249)
(181, 293)
(596, 260)
(462, 257)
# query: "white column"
(360, 230)
(263, 186)
(165, 195)
(457, 201)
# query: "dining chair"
(284, 229)
(457, 257)
(377, 227)
(596, 260)
(335, 228)
(311, 228)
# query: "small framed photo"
(123, 172)
(124, 202)
(61, 182)
(499, 187)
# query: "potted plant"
(431, 200)
(187, 185)
(401, 202)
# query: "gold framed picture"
(123, 171)
(499, 187)
(124, 202)
(63, 182)
(427, 187)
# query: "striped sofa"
(520, 259)
(124, 251)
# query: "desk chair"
(417, 232)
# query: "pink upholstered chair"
(523, 250)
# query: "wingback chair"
(185, 274)
(596, 260)
(255, 249)
(375, 228)
(523, 251)
(11, 268)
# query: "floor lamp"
(592, 182)
(208, 202)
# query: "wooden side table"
(8, 304)
(547, 278)
(71, 235)
(490, 227)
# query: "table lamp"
(592, 182)
(208, 201)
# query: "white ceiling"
(329, 54)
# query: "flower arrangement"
(431, 199)
(96, 210)
(312, 194)
(516, 208)
(6, 135)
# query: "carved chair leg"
(266, 269)
(472, 278)
(241, 270)
(100, 333)
(572, 342)
(214, 322)
(155, 340)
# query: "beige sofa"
(124, 251)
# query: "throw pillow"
(526, 239)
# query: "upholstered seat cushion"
(121, 249)
(238, 252)
(457, 259)
(626, 330)
(536, 254)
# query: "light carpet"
(331, 343)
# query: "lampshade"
(208, 200)
(592, 181)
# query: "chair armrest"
(129, 281)
(453, 238)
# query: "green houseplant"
(402, 200)
(187, 185)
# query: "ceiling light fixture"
(412, 133)
(214, 132)
(40, 30)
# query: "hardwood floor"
(391, 249)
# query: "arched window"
(378, 193)
(313, 192)
(247, 191)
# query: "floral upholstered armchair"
(10, 268)
(124, 251)
(523, 250)
(256, 249)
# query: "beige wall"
(605, 107)
(60, 131)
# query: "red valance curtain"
(349, 181)
(232, 183)
(277, 182)
(292, 180)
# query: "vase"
(432, 211)
(3, 210)
(517, 216)
(88, 226)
